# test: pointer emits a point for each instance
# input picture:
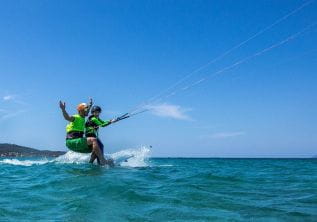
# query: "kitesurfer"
(75, 139)
(92, 126)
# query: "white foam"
(132, 157)
(24, 162)
(126, 158)
(166, 165)
(73, 157)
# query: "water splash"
(73, 157)
(24, 162)
(127, 158)
(132, 157)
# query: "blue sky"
(122, 53)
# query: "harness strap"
(74, 135)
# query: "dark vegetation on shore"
(12, 150)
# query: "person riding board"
(75, 139)
(92, 126)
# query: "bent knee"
(91, 140)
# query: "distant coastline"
(13, 150)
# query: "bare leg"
(96, 150)
(98, 161)
(93, 156)
(100, 145)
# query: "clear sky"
(122, 53)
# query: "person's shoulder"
(94, 118)
(77, 116)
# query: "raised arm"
(67, 117)
(89, 106)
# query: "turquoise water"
(162, 190)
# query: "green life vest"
(92, 125)
(78, 125)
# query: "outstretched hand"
(62, 105)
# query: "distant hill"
(12, 150)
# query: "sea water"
(141, 188)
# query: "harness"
(74, 135)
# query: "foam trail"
(24, 162)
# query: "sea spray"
(127, 158)
(132, 157)
(73, 157)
